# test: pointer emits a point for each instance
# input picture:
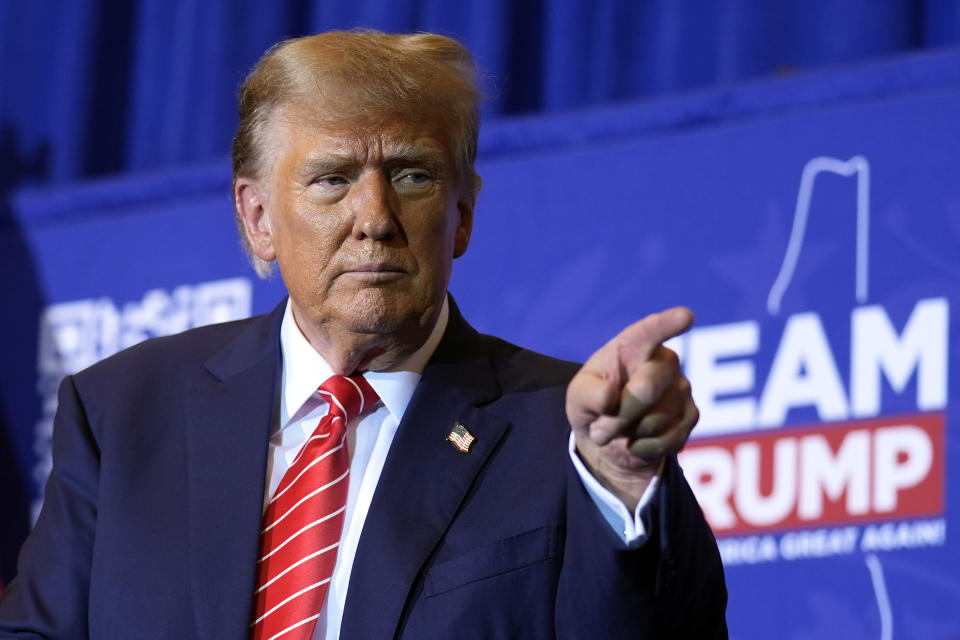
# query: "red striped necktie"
(301, 528)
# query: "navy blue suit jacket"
(150, 523)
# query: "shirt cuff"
(626, 526)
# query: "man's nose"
(375, 208)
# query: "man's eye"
(412, 177)
(331, 181)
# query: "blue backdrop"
(89, 87)
(823, 341)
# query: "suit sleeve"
(672, 586)
(49, 596)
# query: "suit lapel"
(424, 481)
(229, 416)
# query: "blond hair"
(429, 78)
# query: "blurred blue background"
(94, 87)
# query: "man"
(451, 499)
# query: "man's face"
(364, 220)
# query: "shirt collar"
(304, 369)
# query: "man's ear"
(465, 225)
(248, 198)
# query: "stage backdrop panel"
(813, 225)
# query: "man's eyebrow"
(329, 162)
(333, 162)
(413, 155)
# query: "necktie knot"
(349, 396)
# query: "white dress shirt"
(369, 438)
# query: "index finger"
(637, 342)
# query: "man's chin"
(385, 340)
(379, 325)
(377, 311)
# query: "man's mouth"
(376, 267)
(375, 271)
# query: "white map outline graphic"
(858, 166)
(883, 599)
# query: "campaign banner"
(818, 247)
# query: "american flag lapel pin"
(460, 437)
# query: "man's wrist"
(628, 482)
(626, 524)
